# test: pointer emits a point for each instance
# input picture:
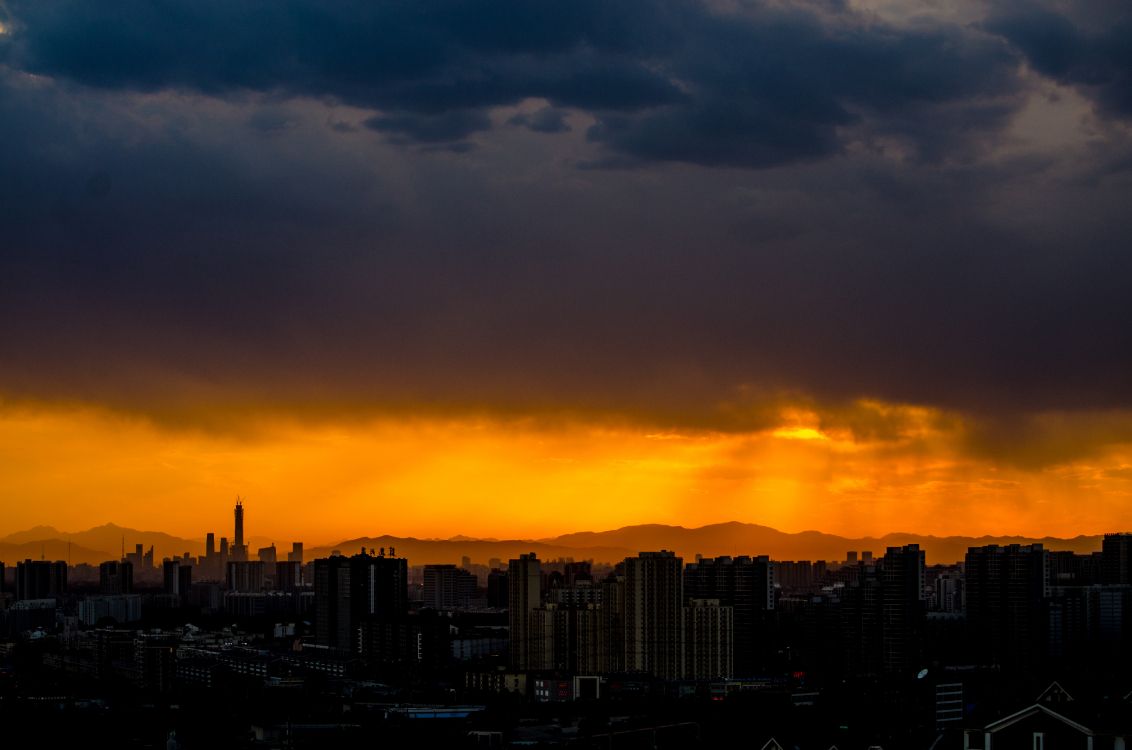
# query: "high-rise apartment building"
(746, 585)
(654, 618)
(1006, 588)
(40, 579)
(524, 584)
(352, 592)
(709, 640)
(902, 609)
(1116, 559)
(447, 587)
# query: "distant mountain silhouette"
(108, 539)
(734, 538)
(430, 551)
(51, 549)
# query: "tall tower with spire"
(239, 550)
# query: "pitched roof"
(1026, 713)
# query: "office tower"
(246, 576)
(866, 556)
(116, 577)
(654, 624)
(851, 558)
(296, 553)
(447, 587)
(266, 555)
(524, 581)
(747, 586)
(147, 559)
(352, 592)
(222, 560)
(1116, 559)
(902, 609)
(239, 523)
(209, 545)
(709, 640)
(178, 579)
(238, 551)
(40, 579)
(1006, 589)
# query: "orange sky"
(868, 468)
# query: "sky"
(518, 269)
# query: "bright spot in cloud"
(800, 433)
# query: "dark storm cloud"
(1067, 47)
(447, 126)
(669, 81)
(208, 207)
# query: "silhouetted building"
(246, 576)
(612, 622)
(141, 559)
(40, 579)
(155, 661)
(361, 590)
(238, 552)
(497, 592)
(746, 585)
(709, 644)
(447, 587)
(116, 577)
(178, 579)
(1006, 588)
(524, 581)
(120, 608)
(1116, 559)
(902, 610)
(296, 553)
(654, 623)
(288, 576)
(267, 556)
(860, 614)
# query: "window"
(1039, 741)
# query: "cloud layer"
(676, 212)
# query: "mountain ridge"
(728, 538)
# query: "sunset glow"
(531, 478)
